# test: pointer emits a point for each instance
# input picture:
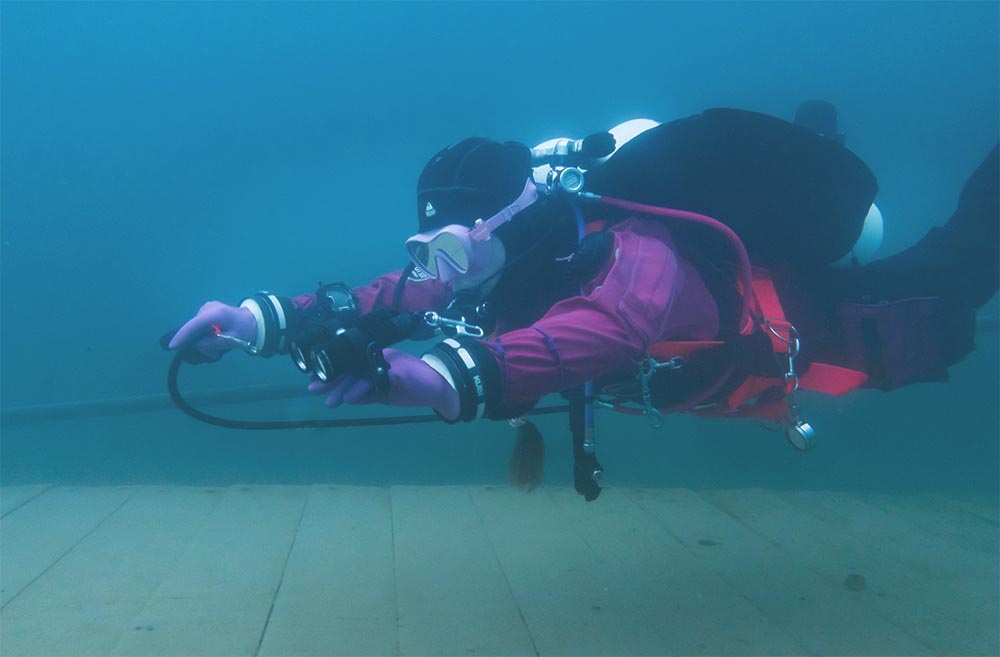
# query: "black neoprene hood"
(473, 179)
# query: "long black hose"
(182, 404)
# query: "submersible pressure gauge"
(801, 434)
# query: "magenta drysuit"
(645, 293)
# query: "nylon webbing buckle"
(792, 346)
(647, 368)
(452, 327)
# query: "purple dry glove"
(412, 382)
(237, 322)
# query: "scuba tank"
(795, 198)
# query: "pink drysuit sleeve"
(418, 294)
(646, 293)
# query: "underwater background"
(159, 155)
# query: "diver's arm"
(649, 293)
(417, 294)
(276, 315)
(262, 321)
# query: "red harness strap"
(761, 396)
(831, 379)
(821, 377)
(667, 349)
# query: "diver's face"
(485, 278)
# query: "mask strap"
(397, 293)
(483, 229)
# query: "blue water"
(156, 156)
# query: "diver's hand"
(412, 382)
(201, 329)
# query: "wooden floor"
(331, 570)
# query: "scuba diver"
(711, 265)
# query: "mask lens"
(420, 254)
(449, 245)
(445, 244)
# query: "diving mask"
(462, 249)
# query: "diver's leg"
(957, 264)
(975, 230)
(959, 261)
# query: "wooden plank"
(572, 603)
(982, 506)
(454, 598)
(680, 594)
(218, 598)
(939, 616)
(803, 597)
(934, 515)
(902, 540)
(48, 529)
(493, 571)
(14, 497)
(338, 595)
(959, 578)
(85, 602)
